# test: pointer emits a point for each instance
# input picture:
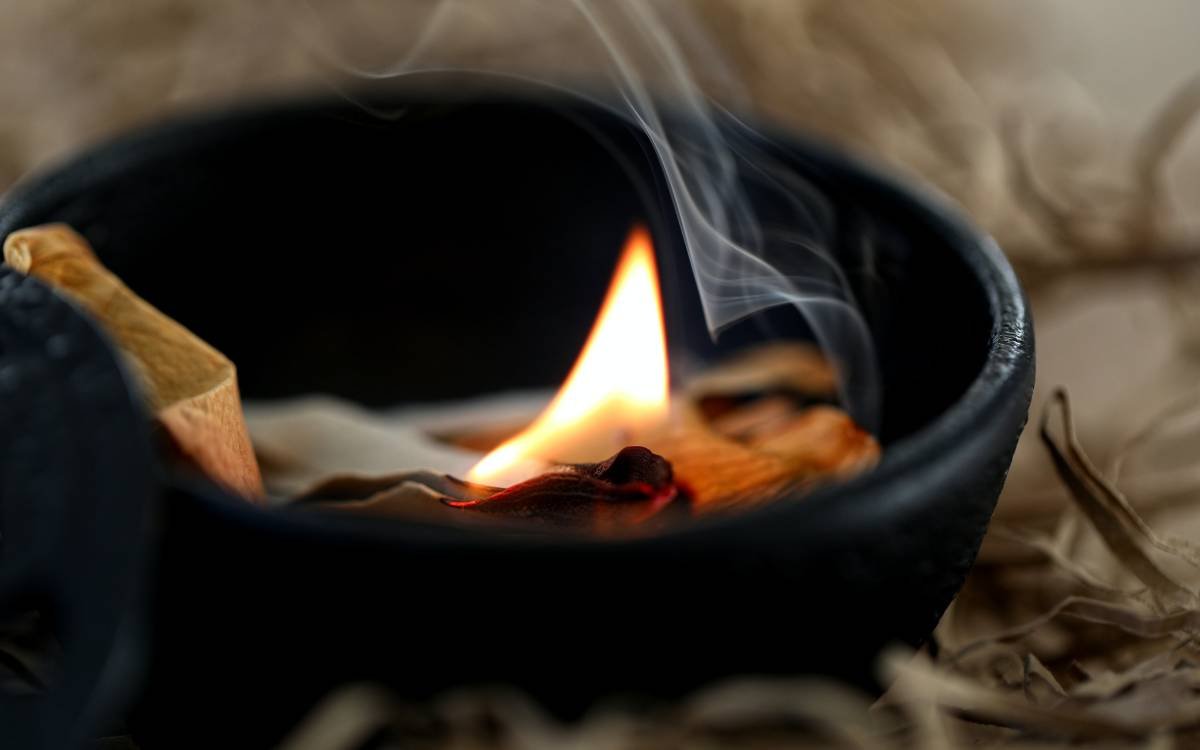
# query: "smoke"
(651, 57)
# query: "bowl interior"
(459, 247)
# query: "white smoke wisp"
(652, 57)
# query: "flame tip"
(619, 382)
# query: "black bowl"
(458, 246)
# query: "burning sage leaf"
(769, 438)
(624, 491)
(627, 489)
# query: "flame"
(617, 389)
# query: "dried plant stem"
(1109, 512)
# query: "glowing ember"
(618, 388)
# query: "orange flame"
(617, 389)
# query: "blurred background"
(1063, 127)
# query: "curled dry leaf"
(779, 367)
(756, 426)
(721, 473)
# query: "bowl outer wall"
(892, 545)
